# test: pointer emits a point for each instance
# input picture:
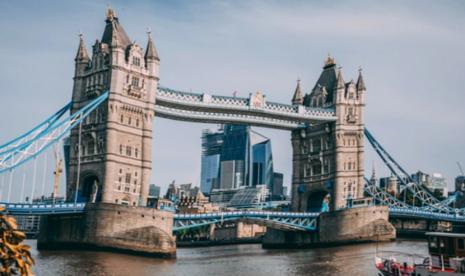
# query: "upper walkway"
(255, 110)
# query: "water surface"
(247, 259)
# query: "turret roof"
(151, 51)
(82, 51)
(297, 98)
(113, 30)
(360, 82)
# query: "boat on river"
(446, 258)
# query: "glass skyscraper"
(262, 162)
(234, 157)
(211, 151)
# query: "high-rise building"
(285, 191)
(277, 191)
(235, 157)
(460, 191)
(262, 165)
(211, 150)
(154, 190)
(460, 183)
(439, 184)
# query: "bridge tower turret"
(297, 99)
(109, 160)
(328, 164)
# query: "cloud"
(411, 53)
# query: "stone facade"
(115, 145)
(356, 225)
(368, 224)
(237, 231)
(328, 158)
(110, 226)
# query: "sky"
(411, 52)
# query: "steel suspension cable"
(48, 122)
(44, 175)
(1, 187)
(21, 199)
(12, 172)
(34, 174)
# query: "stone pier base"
(113, 227)
(363, 224)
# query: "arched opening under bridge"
(91, 189)
(318, 201)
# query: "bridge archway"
(91, 185)
(318, 201)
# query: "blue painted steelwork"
(43, 208)
(288, 220)
(428, 201)
(34, 142)
(416, 213)
(53, 133)
(33, 133)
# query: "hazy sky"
(412, 53)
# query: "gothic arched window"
(316, 168)
(90, 146)
(316, 145)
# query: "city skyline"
(409, 105)
(182, 125)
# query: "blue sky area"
(412, 54)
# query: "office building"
(277, 189)
(234, 157)
(154, 190)
(211, 150)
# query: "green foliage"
(15, 257)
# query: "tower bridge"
(255, 110)
(108, 150)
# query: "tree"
(15, 257)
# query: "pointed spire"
(297, 98)
(360, 82)
(111, 15)
(329, 62)
(150, 52)
(340, 81)
(114, 34)
(82, 51)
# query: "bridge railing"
(42, 208)
(247, 214)
(419, 213)
(235, 103)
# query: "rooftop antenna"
(460, 167)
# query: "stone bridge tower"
(111, 160)
(328, 158)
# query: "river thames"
(246, 259)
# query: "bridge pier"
(356, 225)
(417, 227)
(112, 227)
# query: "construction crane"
(57, 172)
(460, 168)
